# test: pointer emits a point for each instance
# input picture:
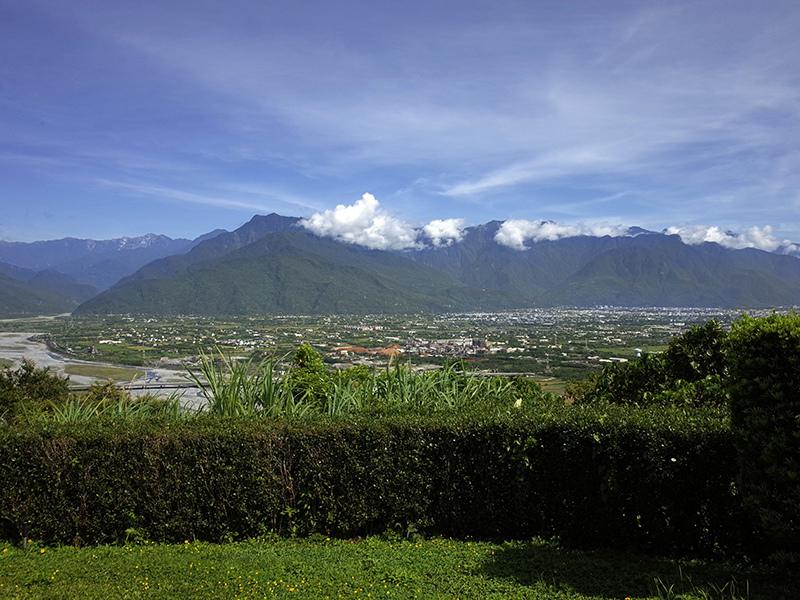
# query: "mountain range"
(272, 265)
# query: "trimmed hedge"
(654, 480)
(764, 363)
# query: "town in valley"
(554, 346)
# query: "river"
(15, 346)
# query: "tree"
(689, 372)
(697, 353)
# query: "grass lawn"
(116, 373)
(365, 568)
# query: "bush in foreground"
(654, 480)
(763, 357)
(689, 373)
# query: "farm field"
(375, 567)
(553, 346)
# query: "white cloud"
(363, 223)
(366, 224)
(761, 238)
(443, 232)
(515, 232)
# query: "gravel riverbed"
(15, 346)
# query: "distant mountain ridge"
(24, 292)
(295, 272)
(100, 263)
(642, 269)
(272, 264)
(210, 247)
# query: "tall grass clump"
(451, 386)
(76, 409)
(235, 388)
(348, 396)
(238, 388)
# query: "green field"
(552, 386)
(365, 568)
(116, 373)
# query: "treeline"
(691, 452)
(691, 372)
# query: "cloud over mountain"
(761, 238)
(516, 232)
(365, 223)
(443, 232)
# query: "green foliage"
(657, 480)
(690, 372)
(697, 353)
(106, 392)
(637, 382)
(307, 358)
(239, 388)
(35, 394)
(29, 389)
(452, 386)
(763, 357)
(119, 405)
(386, 566)
(308, 379)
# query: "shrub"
(763, 356)
(636, 382)
(696, 354)
(308, 379)
(689, 372)
(29, 389)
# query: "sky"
(396, 124)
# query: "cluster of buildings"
(448, 348)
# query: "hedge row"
(626, 478)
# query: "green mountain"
(272, 265)
(478, 260)
(20, 299)
(294, 272)
(646, 269)
(24, 292)
(215, 246)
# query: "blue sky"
(178, 117)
